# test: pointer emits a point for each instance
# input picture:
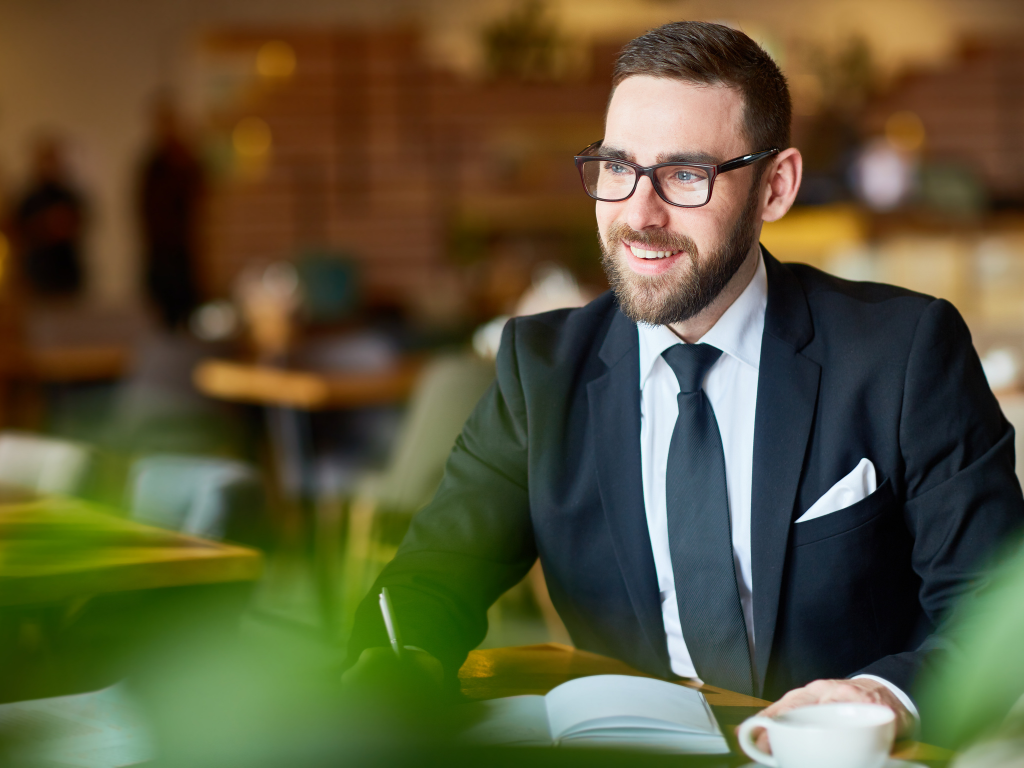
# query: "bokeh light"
(905, 131)
(276, 60)
(252, 137)
(882, 176)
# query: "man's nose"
(645, 209)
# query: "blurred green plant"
(847, 74)
(522, 45)
(972, 695)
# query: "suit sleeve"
(472, 542)
(963, 500)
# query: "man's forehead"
(681, 84)
(661, 116)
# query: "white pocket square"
(857, 485)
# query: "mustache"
(654, 239)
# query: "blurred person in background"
(170, 192)
(48, 222)
(732, 469)
(5, 224)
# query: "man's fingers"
(799, 697)
(829, 691)
(380, 667)
(762, 741)
(851, 694)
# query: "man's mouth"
(643, 253)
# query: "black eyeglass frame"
(713, 172)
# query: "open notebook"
(603, 711)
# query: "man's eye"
(684, 176)
(617, 168)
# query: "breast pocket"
(844, 520)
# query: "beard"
(671, 297)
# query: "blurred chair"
(158, 410)
(330, 285)
(44, 464)
(97, 729)
(384, 503)
(200, 495)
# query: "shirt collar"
(737, 333)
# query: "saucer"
(893, 763)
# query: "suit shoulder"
(819, 284)
(565, 333)
(574, 324)
(862, 320)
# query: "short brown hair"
(713, 54)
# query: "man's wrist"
(899, 693)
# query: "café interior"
(255, 259)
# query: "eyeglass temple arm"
(590, 148)
(739, 162)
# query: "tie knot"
(691, 363)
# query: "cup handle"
(746, 740)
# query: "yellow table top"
(536, 669)
(303, 389)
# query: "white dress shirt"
(731, 388)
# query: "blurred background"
(255, 256)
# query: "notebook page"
(516, 720)
(635, 703)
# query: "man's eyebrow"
(688, 157)
(618, 154)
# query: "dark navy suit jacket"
(548, 465)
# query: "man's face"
(667, 263)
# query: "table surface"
(54, 548)
(536, 669)
(79, 363)
(62, 364)
(305, 389)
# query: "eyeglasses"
(686, 185)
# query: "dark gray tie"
(699, 531)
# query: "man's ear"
(782, 182)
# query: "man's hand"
(861, 690)
(379, 667)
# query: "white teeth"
(640, 253)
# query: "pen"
(389, 622)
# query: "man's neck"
(693, 330)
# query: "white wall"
(86, 68)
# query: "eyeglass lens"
(612, 181)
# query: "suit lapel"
(787, 393)
(614, 401)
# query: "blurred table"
(305, 390)
(26, 373)
(78, 363)
(54, 549)
(290, 395)
(536, 669)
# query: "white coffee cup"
(840, 735)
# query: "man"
(730, 468)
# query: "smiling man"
(732, 469)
